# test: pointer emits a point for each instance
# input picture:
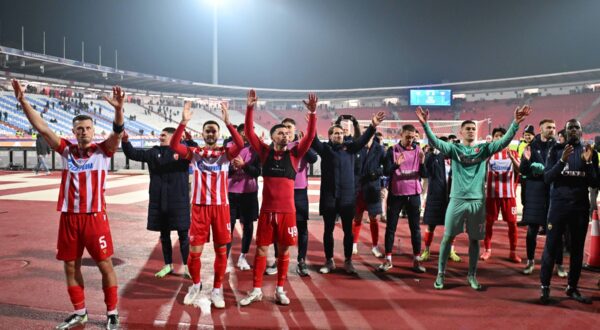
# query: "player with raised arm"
(467, 197)
(277, 219)
(83, 221)
(210, 205)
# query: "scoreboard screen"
(430, 97)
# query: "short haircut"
(82, 117)
(289, 120)
(330, 131)
(170, 130)
(444, 138)
(408, 127)
(274, 128)
(562, 133)
(499, 129)
(467, 122)
(452, 136)
(211, 122)
(546, 121)
(240, 128)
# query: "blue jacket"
(438, 189)
(169, 205)
(536, 197)
(337, 170)
(570, 180)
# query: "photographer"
(570, 169)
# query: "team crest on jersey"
(175, 156)
(549, 226)
(476, 149)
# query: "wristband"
(118, 128)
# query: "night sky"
(317, 44)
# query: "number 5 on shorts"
(102, 242)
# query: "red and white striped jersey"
(83, 178)
(501, 175)
(211, 169)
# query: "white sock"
(113, 312)
(80, 311)
(388, 258)
(197, 285)
(257, 290)
(216, 290)
(279, 289)
(354, 245)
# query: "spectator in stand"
(42, 149)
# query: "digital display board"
(430, 97)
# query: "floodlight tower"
(215, 75)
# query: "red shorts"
(279, 228)
(206, 216)
(77, 231)
(508, 207)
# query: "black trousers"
(558, 221)
(247, 231)
(394, 206)
(167, 248)
(346, 213)
(531, 241)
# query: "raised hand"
(527, 153)
(186, 113)
(421, 156)
(225, 113)
(566, 153)
(422, 115)
(522, 112)
(587, 153)
(19, 94)
(118, 97)
(251, 99)
(311, 104)
(378, 118)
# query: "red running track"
(33, 294)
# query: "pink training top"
(239, 181)
(406, 179)
(301, 181)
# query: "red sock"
(512, 235)
(77, 296)
(374, 224)
(194, 265)
(111, 297)
(260, 264)
(356, 229)
(428, 238)
(220, 266)
(283, 263)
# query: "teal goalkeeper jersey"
(469, 163)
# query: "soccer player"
(467, 197)
(169, 205)
(243, 196)
(570, 169)
(368, 172)
(438, 168)
(337, 187)
(277, 219)
(404, 163)
(83, 221)
(501, 196)
(210, 206)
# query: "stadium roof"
(15, 61)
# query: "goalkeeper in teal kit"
(467, 195)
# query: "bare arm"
(34, 118)
(261, 148)
(118, 97)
